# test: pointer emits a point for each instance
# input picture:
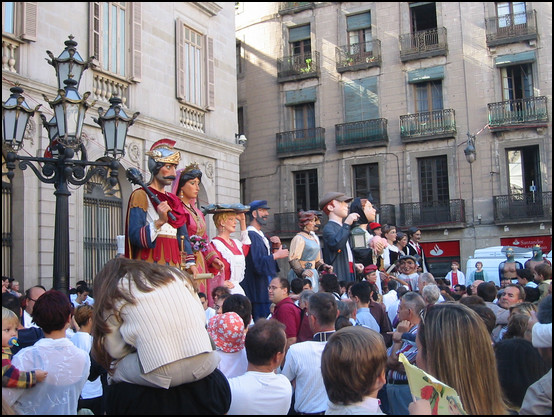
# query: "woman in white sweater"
(149, 325)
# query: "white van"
(492, 257)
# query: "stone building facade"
(384, 98)
(172, 62)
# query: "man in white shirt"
(31, 297)
(303, 360)
(260, 390)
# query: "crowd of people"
(187, 324)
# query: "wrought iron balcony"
(366, 133)
(423, 44)
(387, 214)
(358, 56)
(435, 124)
(506, 115)
(301, 142)
(511, 28)
(449, 213)
(525, 206)
(298, 67)
(291, 7)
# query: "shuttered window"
(20, 19)
(195, 67)
(361, 101)
(115, 37)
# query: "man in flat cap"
(261, 261)
(336, 234)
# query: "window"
(361, 101)
(366, 182)
(304, 117)
(20, 19)
(511, 14)
(428, 96)
(299, 41)
(195, 67)
(517, 82)
(306, 190)
(240, 117)
(433, 180)
(423, 16)
(103, 211)
(115, 38)
(240, 58)
(523, 170)
(359, 34)
(433, 190)
(8, 21)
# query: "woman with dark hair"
(305, 253)
(150, 334)
(68, 366)
(205, 258)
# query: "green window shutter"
(304, 95)
(299, 33)
(358, 21)
(515, 59)
(361, 101)
(426, 74)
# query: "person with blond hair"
(445, 332)
(231, 251)
(353, 367)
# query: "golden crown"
(192, 166)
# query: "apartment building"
(440, 110)
(174, 62)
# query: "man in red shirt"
(285, 311)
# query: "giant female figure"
(205, 258)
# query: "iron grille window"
(103, 221)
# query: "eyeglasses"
(273, 288)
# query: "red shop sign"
(441, 249)
(545, 242)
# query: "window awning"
(514, 59)
(304, 95)
(426, 74)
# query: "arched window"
(103, 211)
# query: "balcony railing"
(523, 112)
(365, 133)
(291, 7)
(511, 28)
(428, 125)
(387, 214)
(525, 206)
(301, 142)
(423, 44)
(298, 67)
(358, 56)
(436, 213)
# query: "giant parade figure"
(156, 218)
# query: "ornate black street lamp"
(64, 131)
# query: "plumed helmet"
(162, 152)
